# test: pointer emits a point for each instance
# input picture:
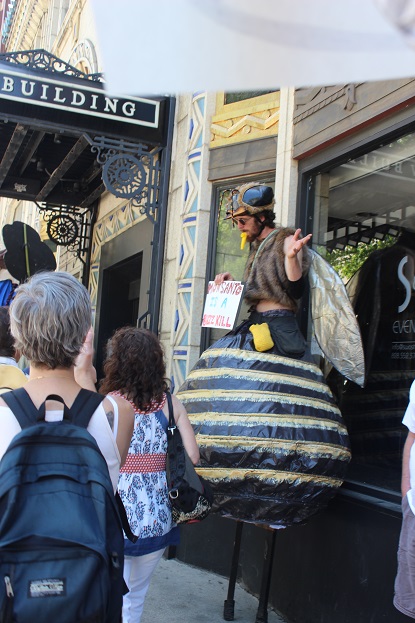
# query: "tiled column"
(193, 240)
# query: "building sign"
(403, 324)
(222, 305)
(76, 97)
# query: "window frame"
(323, 161)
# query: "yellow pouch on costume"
(243, 240)
(262, 337)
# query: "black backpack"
(61, 539)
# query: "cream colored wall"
(17, 211)
(78, 26)
(26, 24)
(286, 168)
(55, 25)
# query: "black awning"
(51, 115)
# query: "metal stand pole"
(229, 604)
(262, 612)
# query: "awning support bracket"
(68, 226)
(130, 171)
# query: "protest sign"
(222, 304)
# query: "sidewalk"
(180, 593)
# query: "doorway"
(121, 285)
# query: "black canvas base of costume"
(273, 444)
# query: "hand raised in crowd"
(85, 373)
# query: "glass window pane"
(364, 224)
(231, 98)
(229, 256)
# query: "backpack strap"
(20, 403)
(26, 413)
(84, 406)
(41, 417)
(124, 519)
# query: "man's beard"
(254, 235)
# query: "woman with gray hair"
(50, 319)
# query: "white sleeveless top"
(98, 427)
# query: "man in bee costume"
(272, 441)
(274, 279)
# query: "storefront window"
(364, 224)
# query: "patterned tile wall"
(191, 260)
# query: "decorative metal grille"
(68, 226)
(41, 59)
(130, 171)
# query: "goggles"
(249, 199)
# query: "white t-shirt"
(409, 421)
(98, 427)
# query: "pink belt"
(144, 463)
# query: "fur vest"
(265, 276)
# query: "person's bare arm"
(186, 430)
(125, 424)
(406, 480)
(86, 377)
(293, 255)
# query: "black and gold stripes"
(272, 441)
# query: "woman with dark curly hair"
(134, 369)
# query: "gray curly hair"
(49, 319)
